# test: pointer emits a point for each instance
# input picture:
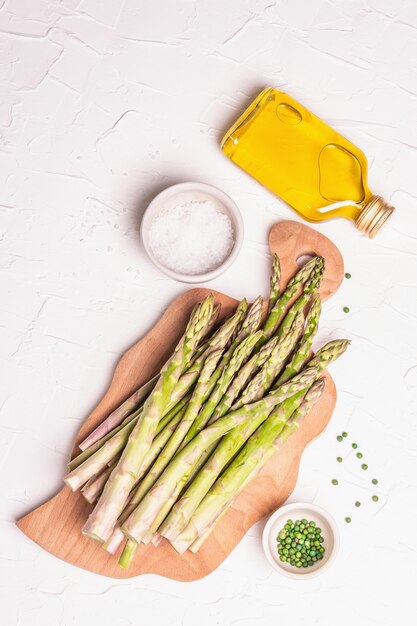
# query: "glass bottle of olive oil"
(313, 168)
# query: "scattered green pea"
(354, 446)
(359, 455)
(374, 481)
(357, 503)
(364, 466)
(348, 520)
(344, 434)
(339, 459)
(335, 482)
(294, 545)
(375, 498)
(347, 275)
(339, 438)
(346, 309)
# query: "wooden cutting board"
(56, 525)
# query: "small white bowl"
(312, 513)
(188, 192)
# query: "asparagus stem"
(258, 449)
(303, 349)
(93, 487)
(96, 460)
(309, 288)
(172, 445)
(238, 383)
(275, 280)
(263, 381)
(250, 324)
(224, 376)
(118, 415)
(86, 454)
(243, 376)
(280, 305)
(128, 553)
(220, 339)
(102, 520)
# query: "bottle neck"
(373, 216)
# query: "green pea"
(359, 455)
(374, 481)
(354, 446)
(335, 482)
(346, 309)
(344, 434)
(348, 520)
(375, 498)
(364, 466)
(357, 503)
(347, 275)
(339, 459)
(339, 438)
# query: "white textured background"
(105, 102)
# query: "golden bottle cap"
(373, 216)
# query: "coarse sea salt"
(191, 237)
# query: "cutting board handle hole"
(304, 258)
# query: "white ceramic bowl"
(186, 192)
(296, 511)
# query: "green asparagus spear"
(280, 305)
(238, 383)
(309, 288)
(241, 353)
(275, 280)
(263, 381)
(172, 445)
(303, 349)
(219, 340)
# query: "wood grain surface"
(56, 525)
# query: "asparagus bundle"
(171, 459)
(256, 452)
(102, 520)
